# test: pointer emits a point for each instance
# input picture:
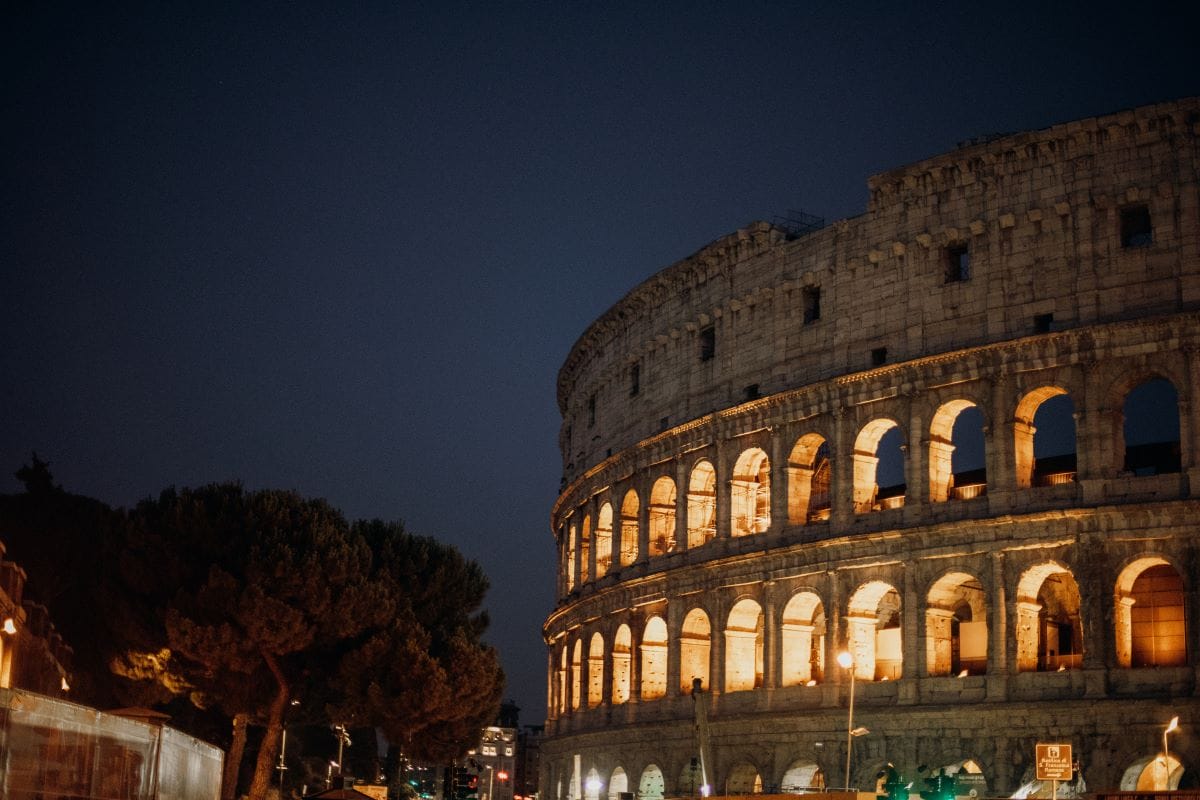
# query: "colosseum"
(951, 441)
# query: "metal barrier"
(53, 749)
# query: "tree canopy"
(242, 601)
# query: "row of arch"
(1151, 772)
(1044, 447)
(1149, 613)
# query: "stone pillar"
(723, 512)
(841, 512)
(681, 506)
(1022, 449)
(1124, 631)
(796, 640)
(937, 641)
(716, 653)
(577, 538)
(643, 527)
(595, 673)
(779, 482)
(771, 655)
(799, 492)
(941, 470)
(916, 456)
(999, 454)
(863, 481)
(674, 619)
(637, 627)
(1027, 635)
(860, 636)
(606, 677)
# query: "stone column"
(796, 639)
(674, 619)
(1027, 636)
(937, 641)
(643, 526)
(716, 653)
(999, 455)
(577, 537)
(1124, 631)
(799, 493)
(1022, 449)
(860, 634)
(723, 511)
(917, 456)
(941, 470)
(842, 498)
(681, 506)
(863, 481)
(779, 482)
(771, 655)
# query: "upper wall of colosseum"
(1077, 224)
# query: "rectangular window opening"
(708, 343)
(958, 263)
(811, 297)
(1042, 323)
(878, 356)
(751, 392)
(591, 411)
(635, 380)
(1136, 230)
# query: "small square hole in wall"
(635, 380)
(751, 392)
(1136, 229)
(878, 356)
(708, 343)
(958, 263)
(1042, 323)
(811, 297)
(664, 423)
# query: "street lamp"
(847, 662)
(1172, 726)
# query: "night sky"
(344, 248)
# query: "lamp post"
(1172, 726)
(847, 662)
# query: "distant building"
(33, 655)
(529, 744)
(496, 757)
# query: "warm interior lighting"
(1174, 724)
(845, 659)
(964, 673)
(859, 732)
(812, 682)
(10, 625)
(66, 687)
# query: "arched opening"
(744, 647)
(662, 517)
(956, 638)
(629, 528)
(1044, 437)
(809, 473)
(585, 549)
(801, 777)
(1154, 774)
(621, 663)
(595, 670)
(604, 531)
(654, 659)
(1049, 628)
(957, 467)
(651, 786)
(572, 530)
(969, 780)
(1152, 429)
(592, 785)
(702, 505)
(750, 498)
(879, 467)
(873, 632)
(576, 674)
(802, 637)
(695, 645)
(618, 784)
(743, 779)
(563, 671)
(1151, 628)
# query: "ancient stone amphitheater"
(955, 437)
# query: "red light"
(502, 775)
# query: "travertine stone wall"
(1063, 294)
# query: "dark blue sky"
(344, 248)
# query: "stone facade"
(725, 429)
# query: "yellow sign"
(1054, 762)
(376, 792)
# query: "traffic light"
(894, 786)
(502, 775)
(939, 786)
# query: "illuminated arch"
(1032, 409)
(750, 494)
(621, 664)
(629, 528)
(956, 636)
(1148, 613)
(651, 785)
(654, 659)
(873, 632)
(618, 784)
(572, 529)
(595, 670)
(744, 647)
(743, 779)
(802, 635)
(1150, 428)
(662, 517)
(695, 647)
(946, 431)
(1152, 774)
(585, 550)
(702, 505)
(1049, 627)
(866, 465)
(809, 474)
(604, 538)
(576, 674)
(802, 776)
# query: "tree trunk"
(269, 748)
(233, 759)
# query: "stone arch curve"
(873, 631)
(1150, 613)
(1049, 627)
(750, 493)
(744, 646)
(701, 503)
(695, 649)
(942, 446)
(622, 663)
(662, 516)
(810, 475)
(956, 632)
(802, 630)
(866, 461)
(1024, 431)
